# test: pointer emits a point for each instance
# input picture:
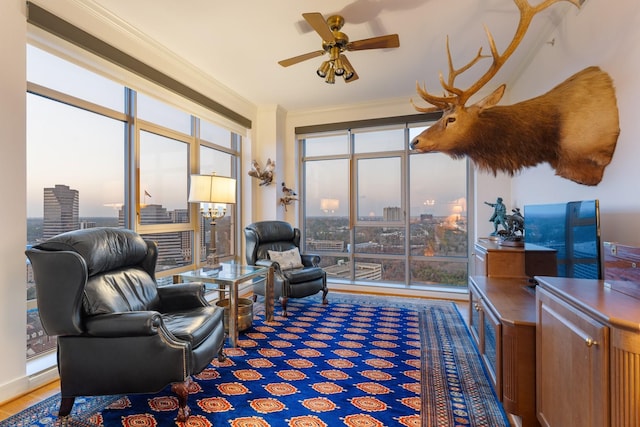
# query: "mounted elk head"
(573, 127)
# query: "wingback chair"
(118, 332)
(270, 243)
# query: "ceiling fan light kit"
(324, 69)
(335, 43)
(331, 76)
(336, 67)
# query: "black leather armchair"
(118, 332)
(308, 279)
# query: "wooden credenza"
(502, 320)
(588, 353)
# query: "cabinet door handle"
(590, 342)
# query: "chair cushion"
(193, 325)
(306, 274)
(262, 251)
(288, 259)
(126, 289)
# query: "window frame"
(352, 129)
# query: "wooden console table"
(503, 321)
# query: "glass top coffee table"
(228, 277)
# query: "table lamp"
(217, 191)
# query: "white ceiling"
(238, 43)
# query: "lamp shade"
(212, 189)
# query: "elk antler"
(458, 97)
(446, 102)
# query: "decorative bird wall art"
(264, 175)
(288, 196)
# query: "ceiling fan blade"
(318, 23)
(388, 41)
(346, 62)
(300, 58)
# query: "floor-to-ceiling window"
(101, 154)
(219, 154)
(76, 124)
(382, 215)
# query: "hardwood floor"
(463, 306)
(31, 398)
(23, 402)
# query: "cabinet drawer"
(480, 260)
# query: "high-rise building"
(154, 214)
(363, 270)
(171, 245)
(325, 245)
(392, 214)
(61, 207)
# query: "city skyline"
(445, 209)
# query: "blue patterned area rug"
(359, 361)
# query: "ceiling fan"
(335, 43)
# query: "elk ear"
(492, 99)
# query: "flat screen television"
(573, 230)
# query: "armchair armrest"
(310, 260)
(269, 263)
(182, 296)
(131, 323)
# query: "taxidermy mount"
(574, 127)
(264, 175)
(288, 196)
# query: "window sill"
(40, 364)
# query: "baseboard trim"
(26, 384)
(458, 295)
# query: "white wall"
(606, 34)
(268, 144)
(13, 193)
